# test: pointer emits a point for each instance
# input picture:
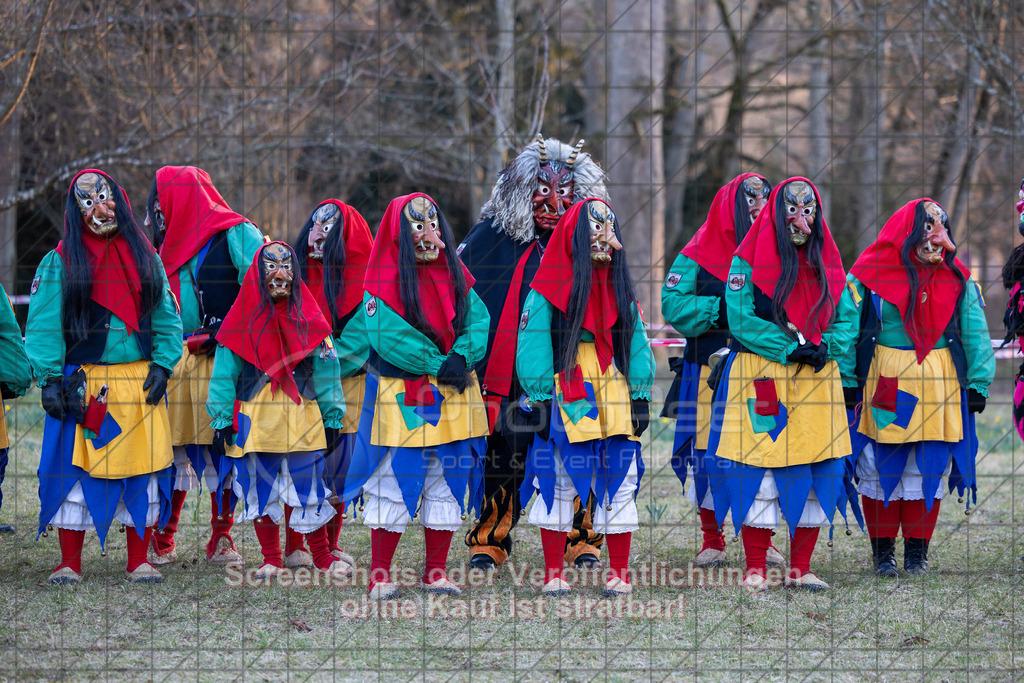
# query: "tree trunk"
(635, 162)
(10, 170)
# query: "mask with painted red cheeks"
(936, 240)
(96, 201)
(553, 195)
(756, 192)
(324, 220)
(426, 229)
(801, 206)
(277, 264)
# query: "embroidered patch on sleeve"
(460, 248)
(736, 281)
(370, 306)
(854, 293)
(672, 280)
(35, 285)
(525, 318)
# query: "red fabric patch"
(573, 388)
(766, 398)
(418, 392)
(885, 393)
(94, 415)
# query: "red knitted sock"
(801, 549)
(163, 539)
(137, 546)
(383, 544)
(293, 540)
(618, 554)
(554, 552)
(713, 538)
(755, 546)
(334, 526)
(71, 543)
(918, 522)
(319, 548)
(882, 521)
(221, 521)
(437, 545)
(269, 537)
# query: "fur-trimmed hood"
(511, 204)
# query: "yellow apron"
(459, 416)
(936, 413)
(272, 423)
(354, 388)
(186, 399)
(704, 396)
(813, 429)
(611, 401)
(5, 439)
(135, 437)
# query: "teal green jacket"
(689, 314)
(352, 345)
(981, 362)
(227, 366)
(244, 240)
(535, 357)
(44, 337)
(405, 347)
(770, 341)
(15, 369)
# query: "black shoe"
(883, 556)
(482, 561)
(915, 555)
(6, 529)
(587, 561)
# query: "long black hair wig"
(334, 258)
(151, 200)
(910, 262)
(409, 285)
(789, 258)
(622, 285)
(78, 278)
(742, 219)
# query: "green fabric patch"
(761, 424)
(883, 418)
(412, 420)
(576, 410)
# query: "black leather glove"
(975, 401)
(641, 413)
(453, 372)
(850, 397)
(53, 399)
(209, 347)
(815, 355)
(7, 393)
(221, 439)
(156, 382)
(820, 358)
(535, 421)
(333, 436)
(723, 316)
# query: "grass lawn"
(965, 619)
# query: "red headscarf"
(436, 291)
(116, 285)
(880, 268)
(555, 277)
(269, 337)
(713, 244)
(761, 250)
(358, 242)
(194, 211)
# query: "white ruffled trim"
(384, 507)
(73, 513)
(766, 513)
(562, 508)
(304, 519)
(623, 516)
(185, 478)
(911, 486)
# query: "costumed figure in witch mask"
(923, 364)
(586, 367)
(1013, 317)
(422, 430)
(15, 379)
(103, 335)
(502, 252)
(693, 302)
(333, 248)
(206, 249)
(779, 438)
(274, 394)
